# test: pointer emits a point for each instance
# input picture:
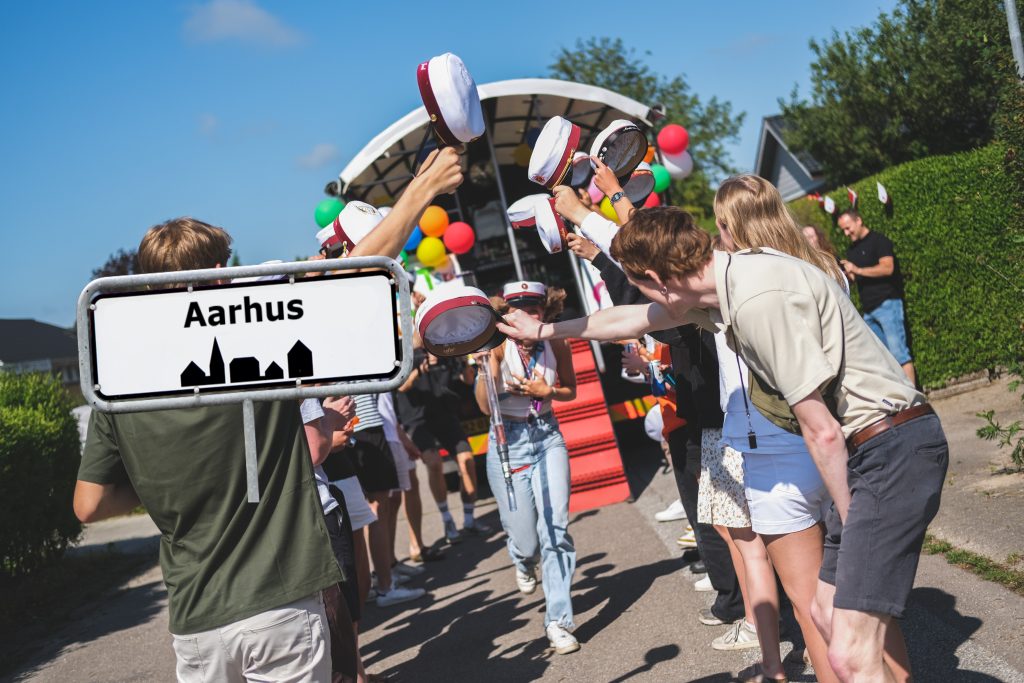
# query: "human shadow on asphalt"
(934, 629)
(618, 592)
(654, 656)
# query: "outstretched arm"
(611, 324)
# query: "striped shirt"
(366, 411)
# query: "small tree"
(122, 262)
(1011, 435)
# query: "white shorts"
(359, 512)
(784, 491)
(402, 462)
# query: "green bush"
(39, 456)
(960, 244)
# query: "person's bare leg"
(910, 372)
(797, 559)
(858, 641)
(362, 564)
(467, 475)
(414, 514)
(741, 574)
(394, 503)
(380, 545)
(762, 595)
(821, 609)
(435, 475)
(896, 656)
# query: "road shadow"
(653, 657)
(934, 629)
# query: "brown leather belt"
(887, 422)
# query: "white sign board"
(244, 336)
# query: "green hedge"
(39, 456)
(954, 221)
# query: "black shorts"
(372, 461)
(339, 529)
(895, 483)
(436, 434)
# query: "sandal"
(755, 674)
(429, 554)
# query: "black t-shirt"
(874, 290)
(432, 394)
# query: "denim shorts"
(888, 323)
(895, 481)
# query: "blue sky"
(118, 115)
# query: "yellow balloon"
(608, 210)
(521, 155)
(430, 252)
(434, 221)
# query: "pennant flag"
(853, 197)
(883, 196)
(830, 205)
(814, 197)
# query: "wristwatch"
(617, 196)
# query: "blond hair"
(753, 212)
(183, 244)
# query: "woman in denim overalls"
(528, 378)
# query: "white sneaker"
(407, 569)
(704, 585)
(687, 540)
(398, 595)
(560, 639)
(741, 636)
(526, 581)
(673, 513)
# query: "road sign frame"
(192, 278)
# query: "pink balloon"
(652, 200)
(595, 194)
(673, 139)
(459, 237)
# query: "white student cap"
(552, 154)
(450, 97)
(621, 146)
(456, 319)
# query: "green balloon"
(327, 211)
(661, 177)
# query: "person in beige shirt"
(878, 446)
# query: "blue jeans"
(539, 526)
(886, 322)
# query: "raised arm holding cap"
(609, 184)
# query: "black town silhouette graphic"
(247, 368)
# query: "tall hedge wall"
(957, 231)
(39, 456)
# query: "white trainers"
(407, 569)
(687, 540)
(526, 581)
(560, 639)
(741, 636)
(398, 595)
(673, 513)
(704, 585)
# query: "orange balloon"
(434, 221)
(649, 157)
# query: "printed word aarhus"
(246, 312)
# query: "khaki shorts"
(288, 644)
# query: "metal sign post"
(498, 424)
(238, 335)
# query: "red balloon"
(652, 200)
(459, 237)
(673, 139)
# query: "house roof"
(773, 132)
(28, 340)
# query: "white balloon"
(653, 423)
(678, 166)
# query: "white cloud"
(241, 20)
(208, 124)
(318, 157)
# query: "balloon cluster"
(434, 237)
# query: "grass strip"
(980, 565)
(35, 605)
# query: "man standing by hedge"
(871, 263)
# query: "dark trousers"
(684, 448)
(339, 598)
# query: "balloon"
(608, 210)
(414, 239)
(595, 194)
(327, 211)
(662, 179)
(521, 155)
(459, 237)
(679, 166)
(532, 135)
(431, 252)
(673, 139)
(649, 157)
(434, 221)
(652, 200)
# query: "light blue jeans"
(887, 322)
(539, 526)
